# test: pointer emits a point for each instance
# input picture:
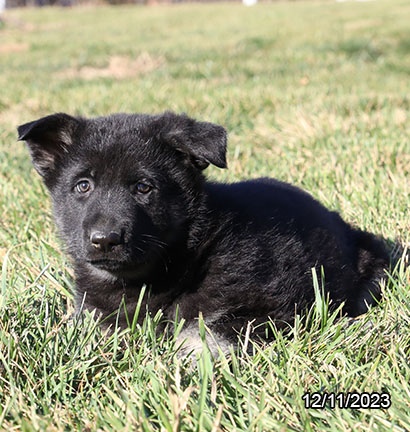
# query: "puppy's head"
(125, 188)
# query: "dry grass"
(118, 67)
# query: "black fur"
(235, 252)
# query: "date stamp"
(352, 400)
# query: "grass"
(314, 93)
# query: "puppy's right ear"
(47, 139)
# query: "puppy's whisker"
(154, 239)
(164, 258)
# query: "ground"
(314, 93)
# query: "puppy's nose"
(104, 241)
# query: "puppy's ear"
(203, 142)
(47, 139)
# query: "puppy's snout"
(105, 241)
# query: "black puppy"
(133, 208)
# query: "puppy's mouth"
(109, 265)
(122, 269)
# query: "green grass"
(314, 93)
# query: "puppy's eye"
(83, 186)
(142, 188)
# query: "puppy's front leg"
(191, 342)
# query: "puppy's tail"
(372, 260)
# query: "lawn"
(313, 93)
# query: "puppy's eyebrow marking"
(85, 172)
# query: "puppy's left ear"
(203, 142)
